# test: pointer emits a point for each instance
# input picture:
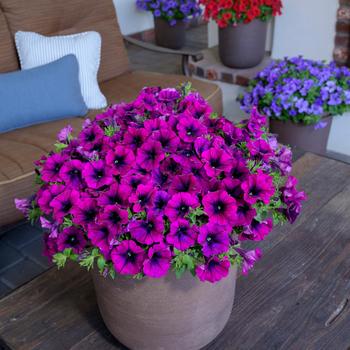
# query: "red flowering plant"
(163, 183)
(232, 12)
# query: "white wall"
(306, 27)
(132, 20)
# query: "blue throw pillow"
(41, 94)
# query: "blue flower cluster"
(171, 10)
(300, 90)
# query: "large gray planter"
(306, 137)
(166, 313)
(172, 37)
(243, 46)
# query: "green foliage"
(111, 130)
(186, 261)
(60, 259)
(34, 213)
(59, 146)
(89, 259)
(186, 89)
(195, 216)
(67, 222)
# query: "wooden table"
(298, 296)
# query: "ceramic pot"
(306, 137)
(172, 37)
(166, 313)
(243, 46)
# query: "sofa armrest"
(186, 54)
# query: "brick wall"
(342, 39)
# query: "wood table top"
(297, 297)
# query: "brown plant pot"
(302, 136)
(172, 37)
(243, 46)
(166, 313)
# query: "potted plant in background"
(300, 96)
(242, 28)
(170, 18)
(156, 196)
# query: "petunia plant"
(300, 90)
(171, 10)
(163, 184)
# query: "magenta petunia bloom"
(97, 174)
(190, 128)
(249, 258)
(182, 236)
(158, 261)
(65, 134)
(180, 204)
(135, 137)
(161, 199)
(260, 150)
(120, 159)
(220, 207)
(258, 187)
(90, 136)
(71, 173)
(147, 231)
(63, 203)
(45, 195)
(50, 246)
(71, 237)
(52, 167)
(213, 271)
(216, 161)
(214, 239)
(167, 139)
(170, 166)
(257, 230)
(116, 194)
(184, 183)
(245, 213)
(23, 205)
(133, 180)
(101, 236)
(128, 258)
(85, 212)
(142, 198)
(238, 169)
(232, 187)
(114, 216)
(150, 155)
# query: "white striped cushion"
(36, 50)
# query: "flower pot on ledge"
(307, 137)
(166, 313)
(243, 45)
(172, 37)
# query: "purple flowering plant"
(300, 90)
(162, 184)
(171, 10)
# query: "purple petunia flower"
(52, 167)
(258, 187)
(116, 194)
(214, 239)
(184, 183)
(63, 203)
(120, 159)
(114, 216)
(135, 137)
(142, 198)
(65, 134)
(71, 237)
(128, 258)
(182, 236)
(50, 246)
(216, 161)
(101, 236)
(147, 231)
(23, 205)
(90, 136)
(167, 138)
(71, 173)
(85, 212)
(232, 187)
(150, 155)
(220, 207)
(257, 230)
(161, 199)
(245, 213)
(157, 263)
(97, 174)
(180, 204)
(190, 128)
(45, 195)
(249, 258)
(213, 271)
